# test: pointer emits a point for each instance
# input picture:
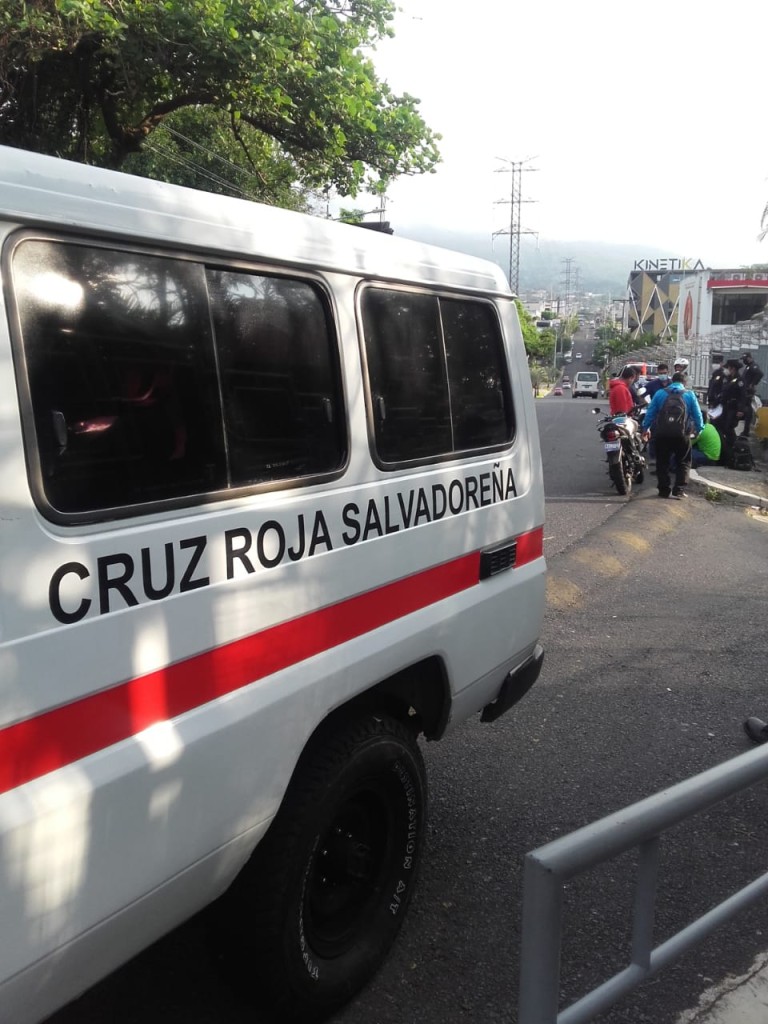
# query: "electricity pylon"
(515, 168)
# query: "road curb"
(745, 497)
(734, 1000)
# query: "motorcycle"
(624, 448)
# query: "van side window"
(121, 374)
(283, 412)
(481, 408)
(407, 374)
(156, 379)
(436, 373)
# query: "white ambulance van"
(271, 510)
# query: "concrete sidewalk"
(742, 999)
(747, 488)
(736, 1000)
(744, 488)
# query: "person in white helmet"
(681, 365)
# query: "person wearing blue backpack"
(673, 415)
(654, 385)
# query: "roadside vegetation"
(612, 344)
(274, 100)
(547, 348)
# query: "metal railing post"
(645, 903)
(541, 939)
(639, 825)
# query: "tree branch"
(128, 139)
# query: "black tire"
(621, 480)
(325, 893)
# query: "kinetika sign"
(668, 263)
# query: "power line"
(197, 168)
(211, 153)
(193, 165)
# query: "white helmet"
(681, 363)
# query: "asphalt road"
(579, 492)
(655, 653)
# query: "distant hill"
(603, 268)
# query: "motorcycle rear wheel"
(621, 479)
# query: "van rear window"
(437, 375)
(155, 379)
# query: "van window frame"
(438, 293)
(207, 261)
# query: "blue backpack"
(672, 419)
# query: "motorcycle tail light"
(611, 435)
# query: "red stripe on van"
(64, 735)
(59, 737)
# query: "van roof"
(37, 190)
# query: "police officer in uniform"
(734, 400)
(751, 375)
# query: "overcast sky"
(645, 121)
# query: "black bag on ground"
(740, 455)
(672, 417)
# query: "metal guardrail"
(640, 825)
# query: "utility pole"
(515, 169)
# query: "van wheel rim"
(350, 862)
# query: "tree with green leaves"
(607, 332)
(547, 343)
(537, 379)
(288, 81)
(613, 344)
(646, 339)
(537, 345)
(196, 147)
(527, 326)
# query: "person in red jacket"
(620, 397)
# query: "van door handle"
(60, 429)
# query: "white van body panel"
(145, 747)
(44, 190)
